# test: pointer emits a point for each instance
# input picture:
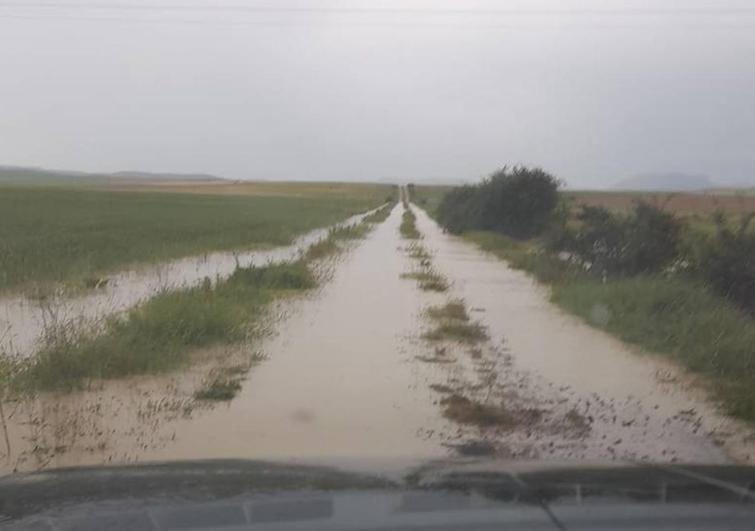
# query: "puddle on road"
(339, 386)
(634, 405)
(23, 321)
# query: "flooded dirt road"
(348, 379)
(338, 385)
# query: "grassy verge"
(381, 214)
(408, 227)
(330, 246)
(161, 334)
(678, 318)
(51, 235)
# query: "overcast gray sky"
(593, 91)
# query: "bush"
(727, 262)
(645, 241)
(518, 202)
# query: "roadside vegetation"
(382, 213)
(75, 235)
(418, 252)
(428, 279)
(169, 330)
(224, 383)
(646, 273)
(452, 323)
(408, 227)
(164, 332)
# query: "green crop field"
(72, 235)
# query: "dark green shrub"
(645, 241)
(516, 201)
(727, 262)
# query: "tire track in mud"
(571, 392)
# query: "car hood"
(241, 494)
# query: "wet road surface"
(348, 380)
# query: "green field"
(74, 235)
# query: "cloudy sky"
(593, 91)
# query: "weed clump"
(219, 389)
(469, 333)
(462, 410)
(428, 280)
(454, 310)
(408, 227)
(418, 252)
(453, 324)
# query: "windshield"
(376, 234)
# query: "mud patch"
(465, 411)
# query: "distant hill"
(165, 176)
(31, 175)
(666, 182)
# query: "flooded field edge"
(24, 321)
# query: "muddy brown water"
(348, 381)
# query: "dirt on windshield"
(415, 349)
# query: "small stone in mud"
(441, 388)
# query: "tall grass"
(161, 334)
(679, 318)
(53, 235)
